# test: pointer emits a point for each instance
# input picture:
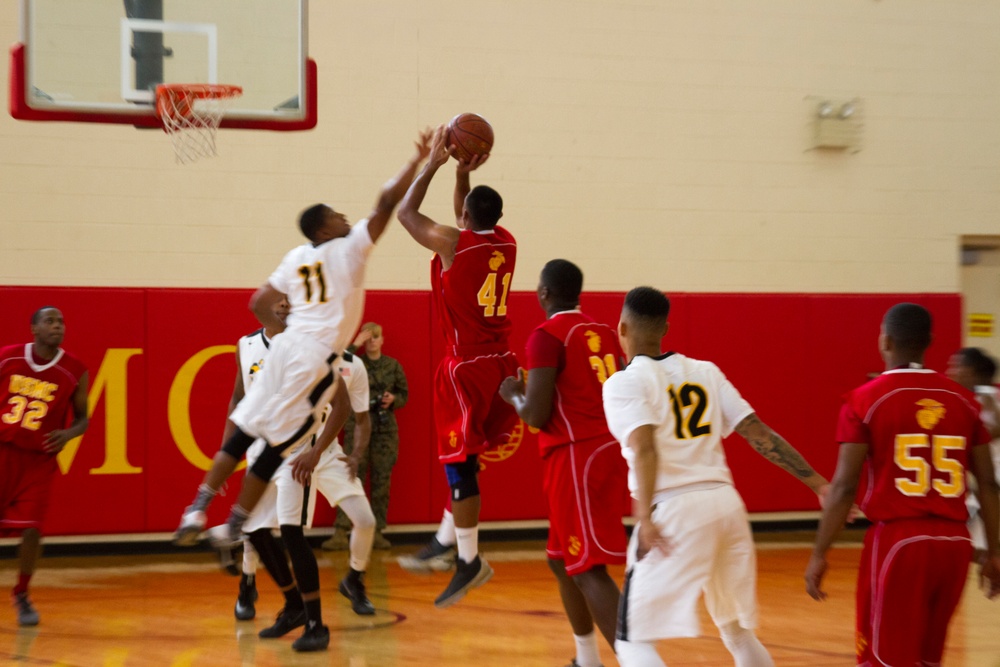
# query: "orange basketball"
(470, 134)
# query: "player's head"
(559, 285)
(320, 223)
(970, 366)
(483, 208)
(48, 327)
(906, 333)
(644, 321)
(281, 309)
(373, 344)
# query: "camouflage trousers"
(375, 471)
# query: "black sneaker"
(288, 620)
(313, 639)
(245, 609)
(433, 557)
(26, 613)
(467, 576)
(354, 590)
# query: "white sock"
(359, 512)
(468, 543)
(637, 654)
(446, 531)
(743, 644)
(587, 654)
(250, 558)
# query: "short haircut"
(983, 366)
(36, 317)
(485, 206)
(648, 305)
(376, 329)
(909, 326)
(564, 279)
(311, 219)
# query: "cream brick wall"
(652, 141)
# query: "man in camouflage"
(387, 393)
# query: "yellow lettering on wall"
(179, 405)
(111, 380)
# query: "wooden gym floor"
(177, 610)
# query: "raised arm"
(441, 239)
(776, 449)
(394, 189)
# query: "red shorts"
(25, 480)
(469, 415)
(586, 485)
(910, 580)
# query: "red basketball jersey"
(919, 427)
(471, 296)
(35, 398)
(585, 354)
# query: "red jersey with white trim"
(471, 296)
(919, 427)
(584, 353)
(35, 398)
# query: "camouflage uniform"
(384, 374)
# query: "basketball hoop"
(191, 113)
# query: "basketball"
(471, 135)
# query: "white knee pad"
(637, 654)
(744, 646)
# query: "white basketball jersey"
(253, 350)
(324, 285)
(355, 375)
(693, 407)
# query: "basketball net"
(191, 113)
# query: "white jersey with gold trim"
(324, 285)
(253, 350)
(693, 407)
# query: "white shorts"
(713, 553)
(283, 499)
(332, 478)
(284, 404)
(282, 502)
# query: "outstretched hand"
(423, 144)
(440, 151)
(473, 163)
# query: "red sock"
(22, 583)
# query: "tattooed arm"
(776, 449)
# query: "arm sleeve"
(543, 350)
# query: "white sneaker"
(224, 537)
(192, 523)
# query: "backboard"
(99, 62)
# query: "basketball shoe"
(316, 638)
(192, 523)
(352, 587)
(287, 620)
(245, 609)
(467, 576)
(26, 613)
(433, 557)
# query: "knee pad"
(267, 463)
(463, 478)
(237, 444)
